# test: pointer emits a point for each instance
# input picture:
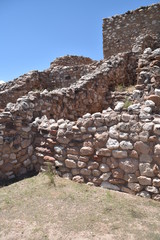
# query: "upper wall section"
(62, 73)
(131, 30)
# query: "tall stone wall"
(134, 30)
(17, 133)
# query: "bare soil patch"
(33, 209)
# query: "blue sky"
(34, 32)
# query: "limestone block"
(70, 163)
(143, 136)
(104, 152)
(135, 187)
(78, 179)
(130, 178)
(152, 189)
(119, 154)
(113, 132)
(148, 126)
(141, 147)
(144, 194)
(81, 164)
(105, 176)
(144, 180)
(124, 127)
(146, 170)
(129, 165)
(156, 182)
(104, 167)
(112, 163)
(86, 151)
(85, 172)
(145, 158)
(93, 165)
(118, 173)
(126, 145)
(156, 129)
(96, 173)
(112, 144)
(110, 186)
(156, 197)
(157, 149)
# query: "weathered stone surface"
(113, 132)
(78, 179)
(110, 186)
(96, 173)
(119, 154)
(85, 172)
(135, 187)
(144, 194)
(141, 147)
(93, 165)
(104, 152)
(145, 158)
(126, 145)
(156, 129)
(156, 182)
(157, 149)
(1, 140)
(105, 176)
(116, 181)
(25, 143)
(104, 168)
(151, 189)
(117, 173)
(130, 177)
(148, 126)
(81, 164)
(129, 165)
(49, 159)
(157, 197)
(144, 180)
(112, 144)
(146, 170)
(70, 163)
(86, 151)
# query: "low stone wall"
(114, 151)
(134, 30)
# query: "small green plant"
(127, 103)
(50, 174)
(120, 88)
(108, 195)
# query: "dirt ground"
(35, 209)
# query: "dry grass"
(34, 209)
(122, 88)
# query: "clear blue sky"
(34, 32)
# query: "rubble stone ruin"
(96, 122)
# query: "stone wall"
(108, 149)
(87, 95)
(134, 30)
(58, 75)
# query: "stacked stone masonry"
(132, 31)
(72, 117)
